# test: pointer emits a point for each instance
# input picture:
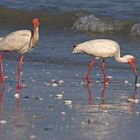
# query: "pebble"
(82, 83)
(31, 78)
(133, 100)
(47, 84)
(63, 113)
(38, 116)
(8, 90)
(26, 97)
(33, 136)
(83, 123)
(53, 80)
(3, 122)
(126, 82)
(47, 72)
(137, 113)
(17, 95)
(47, 129)
(33, 81)
(109, 77)
(60, 82)
(39, 98)
(23, 85)
(97, 58)
(54, 84)
(97, 81)
(67, 102)
(43, 70)
(76, 75)
(59, 96)
(138, 85)
(57, 82)
(5, 77)
(50, 95)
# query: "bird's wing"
(15, 40)
(100, 47)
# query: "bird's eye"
(74, 46)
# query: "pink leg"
(1, 70)
(89, 70)
(104, 72)
(19, 73)
(103, 93)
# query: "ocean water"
(118, 9)
(119, 16)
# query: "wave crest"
(95, 24)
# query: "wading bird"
(104, 48)
(21, 41)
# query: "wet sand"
(91, 112)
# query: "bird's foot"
(88, 80)
(107, 81)
(2, 79)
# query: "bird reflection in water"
(129, 104)
(18, 100)
(132, 100)
(90, 97)
(1, 98)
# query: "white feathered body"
(20, 41)
(99, 47)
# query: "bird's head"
(77, 49)
(35, 22)
(131, 61)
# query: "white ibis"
(104, 48)
(21, 41)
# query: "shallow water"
(96, 112)
(116, 9)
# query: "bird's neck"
(119, 58)
(35, 35)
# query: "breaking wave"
(76, 20)
(95, 24)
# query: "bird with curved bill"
(21, 41)
(104, 48)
